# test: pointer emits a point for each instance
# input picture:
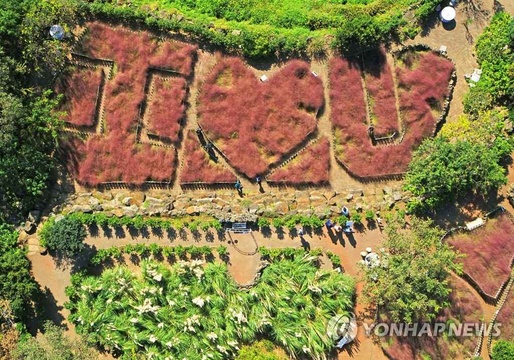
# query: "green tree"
(495, 55)
(411, 281)
(503, 350)
(442, 171)
(53, 344)
(28, 138)
(65, 237)
(16, 282)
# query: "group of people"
(347, 227)
(239, 186)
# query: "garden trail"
(242, 267)
(472, 17)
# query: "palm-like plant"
(193, 310)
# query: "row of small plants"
(155, 250)
(289, 253)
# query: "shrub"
(222, 250)
(263, 222)
(65, 237)
(370, 215)
(503, 350)
(356, 218)
(276, 119)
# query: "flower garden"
(259, 126)
(422, 91)
(80, 90)
(118, 155)
(489, 253)
(255, 124)
(195, 310)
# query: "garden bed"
(254, 123)
(119, 156)
(199, 168)
(423, 89)
(81, 91)
(192, 308)
(166, 108)
(310, 166)
(465, 307)
(489, 252)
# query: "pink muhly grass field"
(506, 317)
(116, 156)
(353, 144)
(256, 123)
(166, 109)
(379, 82)
(198, 167)
(80, 90)
(311, 166)
(465, 307)
(489, 251)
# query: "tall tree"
(411, 281)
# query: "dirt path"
(242, 267)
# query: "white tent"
(57, 32)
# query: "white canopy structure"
(57, 32)
(447, 14)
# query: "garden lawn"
(80, 88)
(489, 251)
(423, 87)
(195, 311)
(199, 167)
(256, 123)
(465, 307)
(116, 156)
(311, 166)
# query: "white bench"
(239, 228)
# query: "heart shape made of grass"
(256, 123)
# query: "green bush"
(65, 237)
(503, 350)
(263, 222)
(370, 215)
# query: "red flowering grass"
(254, 123)
(311, 166)
(465, 307)
(166, 109)
(117, 157)
(506, 317)
(198, 167)
(489, 251)
(80, 90)
(379, 82)
(418, 88)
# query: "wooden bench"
(239, 228)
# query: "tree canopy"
(465, 158)
(16, 282)
(503, 350)
(411, 282)
(65, 237)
